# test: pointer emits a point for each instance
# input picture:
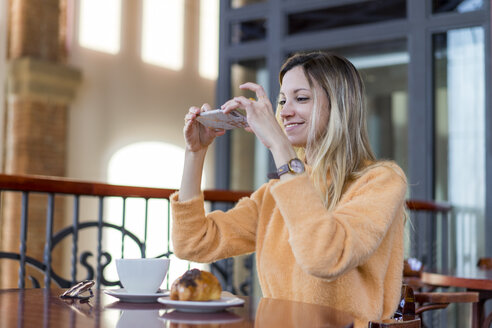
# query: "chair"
(440, 300)
(414, 304)
(412, 271)
(405, 316)
(426, 297)
(485, 263)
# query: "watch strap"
(293, 166)
(283, 169)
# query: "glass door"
(459, 142)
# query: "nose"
(287, 110)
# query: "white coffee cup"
(142, 276)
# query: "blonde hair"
(341, 151)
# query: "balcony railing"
(21, 192)
(428, 231)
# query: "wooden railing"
(429, 206)
(33, 183)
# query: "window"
(99, 25)
(250, 30)
(460, 6)
(241, 3)
(459, 109)
(149, 164)
(367, 12)
(162, 33)
(384, 69)
(209, 39)
(247, 151)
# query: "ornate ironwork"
(105, 260)
(52, 186)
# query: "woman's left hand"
(260, 115)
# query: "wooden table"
(473, 279)
(43, 308)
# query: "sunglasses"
(79, 291)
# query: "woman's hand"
(260, 115)
(262, 123)
(197, 136)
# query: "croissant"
(196, 285)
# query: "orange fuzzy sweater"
(350, 258)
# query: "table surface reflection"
(44, 308)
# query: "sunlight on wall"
(209, 39)
(4, 5)
(149, 164)
(162, 33)
(99, 25)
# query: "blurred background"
(122, 73)
(97, 90)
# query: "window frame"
(417, 29)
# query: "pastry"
(196, 285)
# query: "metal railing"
(428, 235)
(76, 191)
(429, 232)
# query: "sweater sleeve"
(202, 237)
(328, 243)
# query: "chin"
(297, 143)
(297, 140)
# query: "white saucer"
(226, 300)
(124, 296)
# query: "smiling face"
(297, 102)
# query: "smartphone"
(217, 119)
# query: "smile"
(289, 125)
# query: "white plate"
(226, 300)
(124, 296)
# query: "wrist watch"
(295, 166)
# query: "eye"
(302, 99)
(281, 102)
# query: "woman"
(330, 232)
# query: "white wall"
(123, 100)
(3, 67)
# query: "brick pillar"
(39, 89)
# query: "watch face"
(296, 165)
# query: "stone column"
(39, 89)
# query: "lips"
(292, 124)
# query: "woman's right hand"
(197, 136)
